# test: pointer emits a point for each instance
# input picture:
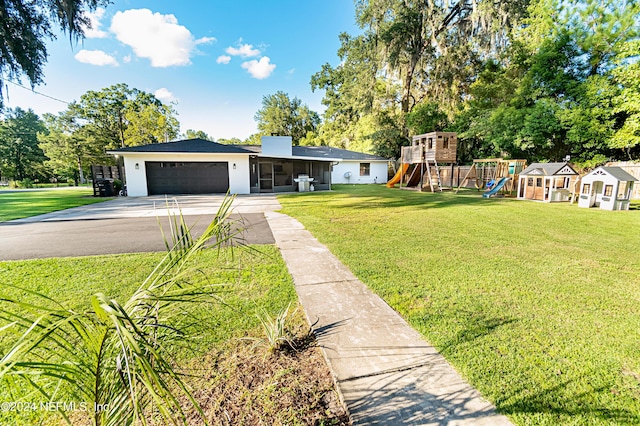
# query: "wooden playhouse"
(547, 182)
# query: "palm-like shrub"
(116, 358)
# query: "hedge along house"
(546, 182)
(609, 188)
(197, 166)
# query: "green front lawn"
(20, 204)
(537, 305)
(250, 280)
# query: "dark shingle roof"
(330, 152)
(205, 146)
(188, 145)
(322, 152)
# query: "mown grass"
(534, 304)
(250, 280)
(21, 204)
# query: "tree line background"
(531, 79)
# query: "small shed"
(609, 188)
(548, 182)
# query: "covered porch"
(272, 174)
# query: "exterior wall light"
(234, 166)
(137, 166)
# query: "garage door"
(187, 178)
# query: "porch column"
(519, 187)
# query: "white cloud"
(94, 18)
(259, 69)
(164, 95)
(244, 50)
(223, 59)
(95, 57)
(126, 59)
(156, 37)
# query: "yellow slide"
(401, 171)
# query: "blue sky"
(215, 59)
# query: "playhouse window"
(365, 169)
(530, 182)
(430, 143)
(608, 190)
(445, 142)
(622, 191)
(586, 188)
(538, 181)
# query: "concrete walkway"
(386, 373)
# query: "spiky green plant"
(277, 330)
(116, 357)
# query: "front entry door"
(596, 196)
(266, 176)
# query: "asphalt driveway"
(127, 225)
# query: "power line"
(33, 91)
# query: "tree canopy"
(61, 145)
(25, 26)
(534, 79)
(283, 116)
(20, 156)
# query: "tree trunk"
(80, 172)
(121, 129)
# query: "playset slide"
(401, 171)
(497, 187)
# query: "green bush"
(117, 185)
(24, 183)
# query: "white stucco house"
(609, 188)
(198, 166)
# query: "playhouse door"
(596, 194)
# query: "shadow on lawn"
(560, 402)
(476, 326)
(382, 197)
(555, 403)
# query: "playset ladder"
(438, 178)
(438, 182)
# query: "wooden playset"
(421, 161)
(488, 171)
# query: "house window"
(608, 190)
(365, 169)
(586, 188)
